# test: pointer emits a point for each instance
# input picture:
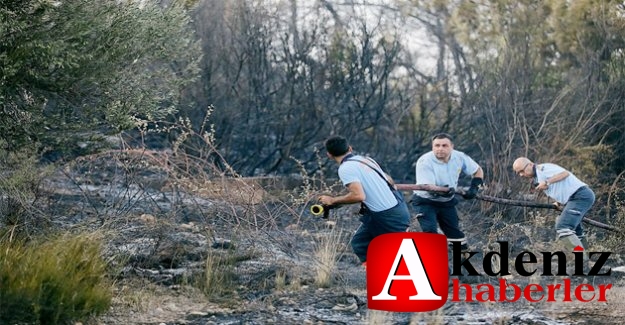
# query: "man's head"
(442, 146)
(337, 146)
(523, 167)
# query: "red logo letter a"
(417, 284)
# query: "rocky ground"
(249, 252)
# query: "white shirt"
(430, 170)
(562, 190)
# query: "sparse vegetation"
(218, 276)
(218, 110)
(435, 317)
(379, 317)
(280, 281)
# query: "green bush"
(54, 282)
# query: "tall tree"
(281, 86)
(533, 74)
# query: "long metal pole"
(488, 198)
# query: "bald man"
(567, 190)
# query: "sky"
(378, 13)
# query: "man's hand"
(326, 200)
(450, 192)
(471, 193)
(542, 186)
(559, 206)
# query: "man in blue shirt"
(441, 169)
(383, 209)
(567, 190)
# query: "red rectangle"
(407, 272)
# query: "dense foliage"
(69, 68)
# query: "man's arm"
(476, 183)
(553, 179)
(355, 194)
(479, 173)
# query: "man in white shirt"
(567, 190)
(442, 168)
(383, 208)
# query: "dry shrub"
(20, 183)
(239, 190)
(184, 179)
(614, 241)
(53, 282)
(587, 162)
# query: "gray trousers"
(395, 219)
(569, 222)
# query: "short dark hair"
(443, 135)
(337, 146)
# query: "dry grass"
(54, 281)
(280, 281)
(378, 317)
(326, 254)
(435, 317)
(219, 275)
(134, 295)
